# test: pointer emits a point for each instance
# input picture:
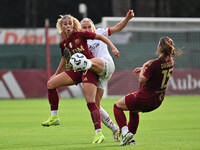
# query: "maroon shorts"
(136, 104)
(83, 77)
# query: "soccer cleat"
(126, 138)
(116, 135)
(99, 138)
(67, 56)
(131, 142)
(52, 121)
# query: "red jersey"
(77, 43)
(158, 73)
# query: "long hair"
(166, 47)
(77, 25)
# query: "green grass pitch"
(175, 125)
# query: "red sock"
(95, 114)
(53, 98)
(133, 122)
(119, 117)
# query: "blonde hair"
(77, 25)
(166, 47)
(91, 22)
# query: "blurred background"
(32, 13)
(29, 48)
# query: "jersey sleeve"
(88, 35)
(103, 31)
(149, 71)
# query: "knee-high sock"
(105, 118)
(133, 122)
(119, 117)
(95, 114)
(53, 99)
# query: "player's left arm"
(108, 42)
(130, 14)
(142, 78)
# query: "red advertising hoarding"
(32, 84)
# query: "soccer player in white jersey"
(103, 63)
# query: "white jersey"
(99, 48)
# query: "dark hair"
(166, 47)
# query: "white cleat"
(131, 142)
(127, 138)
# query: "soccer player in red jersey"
(76, 42)
(102, 64)
(153, 78)
(106, 68)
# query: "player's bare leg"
(55, 82)
(95, 64)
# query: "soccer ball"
(78, 62)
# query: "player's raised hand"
(115, 52)
(130, 14)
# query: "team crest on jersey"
(77, 41)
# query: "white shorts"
(106, 74)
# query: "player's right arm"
(108, 42)
(123, 23)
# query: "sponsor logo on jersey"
(78, 49)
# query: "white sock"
(133, 136)
(106, 120)
(54, 112)
(124, 130)
(98, 130)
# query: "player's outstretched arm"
(108, 42)
(130, 14)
